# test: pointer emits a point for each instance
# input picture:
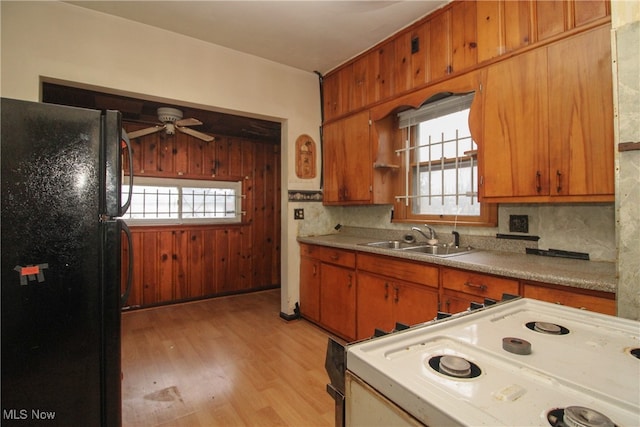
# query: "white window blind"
(437, 108)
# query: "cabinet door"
(453, 302)
(550, 18)
(310, 288)
(402, 75)
(464, 52)
(331, 96)
(362, 88)
(374, 308)
(338, 300)
(440, 45)
(414, 304)
(488, 29)
(514, 149)
(581, 115)
(347, 161)
(383, 69)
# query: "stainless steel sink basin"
(439, 250)
(390, 244)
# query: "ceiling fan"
(172, 120)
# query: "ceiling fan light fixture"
(169, 115)
(172, 120)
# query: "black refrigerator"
(61, 264)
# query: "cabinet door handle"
(315, 269)
(397, 297)
(386, 291)
(334, 257)
(350, 283)
(538, 181)
(476, 286)
(558, 181)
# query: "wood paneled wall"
(182, 262)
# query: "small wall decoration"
(305, 157)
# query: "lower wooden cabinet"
(328, 288)
(601, 302)
(391, 290)
(352, 293)
(454, 302)
(310, 288)
(383, 301)
(338, 300)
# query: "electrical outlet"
(298, 213)
(518, 223)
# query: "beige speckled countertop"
(594, 275)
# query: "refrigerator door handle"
(124, 297)
(127, 144)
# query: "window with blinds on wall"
(440, 158)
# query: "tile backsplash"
(586, 228)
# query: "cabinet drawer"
(478, 284)
(602, 304)
(329, 255)
(403, 270)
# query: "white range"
(518, 363)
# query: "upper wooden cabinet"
(452, 40)
(347, 161)
(581, 115)
(548, 124)
(358, 161)
(513, 152)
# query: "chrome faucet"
(432, 232)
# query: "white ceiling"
(312, 35)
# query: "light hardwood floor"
(228, 361)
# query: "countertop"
(593, 275)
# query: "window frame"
(403, 212)
(188, 183)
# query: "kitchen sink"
(390, 244)
(439, 250)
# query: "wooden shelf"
(385, 166)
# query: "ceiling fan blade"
(188, 122)
(143, 132)
(200, 135)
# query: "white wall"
(59, 41)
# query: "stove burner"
(454, 367)
(578, 416)
(516, 345)
(547, 328)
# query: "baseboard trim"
(294, 316)
(289, 317)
